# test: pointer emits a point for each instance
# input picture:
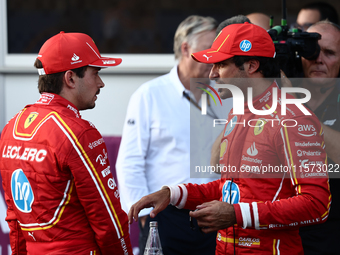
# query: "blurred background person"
(259, 19)
(325, 93)
(314, 12)
(155, 147)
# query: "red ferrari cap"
(66, 51)
(238, 40)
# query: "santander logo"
(75, 57)
(252, 151)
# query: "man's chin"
(88, 107)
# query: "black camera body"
(291, 45)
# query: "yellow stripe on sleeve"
(94, 171)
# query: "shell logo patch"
(30, 119)
(223, 148)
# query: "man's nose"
(101, 83)
(213, 73)
(319, 59)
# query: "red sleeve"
(238, 214)
(302, 148)
(17, 240)
(201, 193)
(98, 194)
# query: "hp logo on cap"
(245, 45)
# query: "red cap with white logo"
(66, 51)
(238, 40)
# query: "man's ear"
(69, 78)
(252, 66)
(185, 49)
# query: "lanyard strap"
(213, 115)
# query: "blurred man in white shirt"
(156, 145)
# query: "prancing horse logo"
(30, 119)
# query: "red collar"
(56, 100)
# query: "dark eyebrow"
(329, 51)
(229, 60)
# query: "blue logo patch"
(230, 126)
(22, 192)
(234, 190)
(245, 45)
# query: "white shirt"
(155, 146)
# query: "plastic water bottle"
(153, 244)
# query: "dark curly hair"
(53, 83)
(269, 67)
